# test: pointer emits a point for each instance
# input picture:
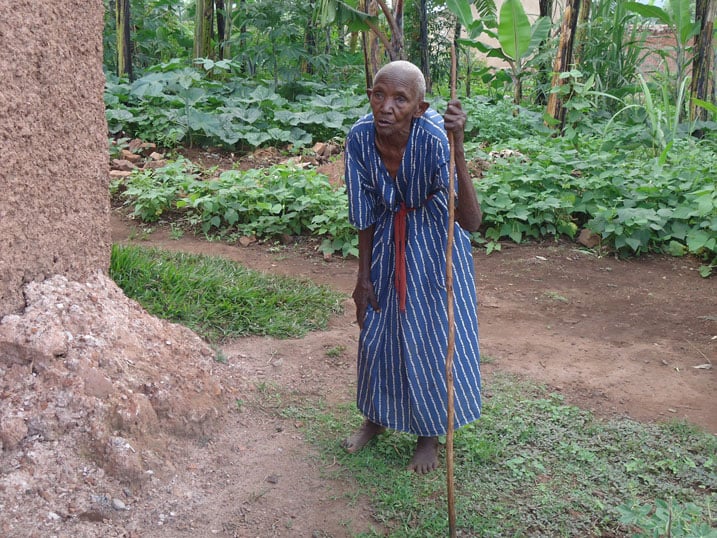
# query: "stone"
(588, 238)
(12, 431)
(129, 156)
(122, 164)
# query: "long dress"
(401, 356)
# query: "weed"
(668, 518)
(219, 355)
(487, 359)
(176, 232)
(335, 351)
(555, 296)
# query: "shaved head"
(406, 71)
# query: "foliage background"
(630, 163)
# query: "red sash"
(399, 239)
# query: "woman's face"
(395, 102)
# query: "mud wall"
(54, 204)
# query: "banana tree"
(518, 40)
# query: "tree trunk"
(203, 22)
(703, 83)
(546, 8)
(219, 7)
(371, 46)
(224, 27)
(398, 52)
(310, 45)
(376, 37)
(423, 43)
(124, 45)
(543, 77)
(563, 59)
(366, 45)
(247, 67)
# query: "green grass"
(219, 299)
(534, 466)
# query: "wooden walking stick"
(451, 320)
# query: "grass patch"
(219, 299)
(534, 466)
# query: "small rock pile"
(137, 154)
(92, 391)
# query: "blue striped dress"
(402, 354)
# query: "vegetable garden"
(631, 157)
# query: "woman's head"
(397, 97)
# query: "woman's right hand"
(363, 296)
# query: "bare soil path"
(632, 338)
(618, 337)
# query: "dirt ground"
(631, 338)
(622, 338)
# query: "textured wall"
(54, 202)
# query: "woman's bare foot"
(425, 459)
(363, 435)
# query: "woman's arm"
(364, 294)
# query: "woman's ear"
(422, 107)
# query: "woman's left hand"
(455, 119)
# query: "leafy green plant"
(612, 50)
(116, 145)
(493, 121)
(636, 205)
(577, 96)
(664, 125)
(676, 15)
(280, 200)
(174, 104)
(154, 192)
(667, 518)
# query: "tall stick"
(451, 320)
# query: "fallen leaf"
(706, 366)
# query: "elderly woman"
(397, 170)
